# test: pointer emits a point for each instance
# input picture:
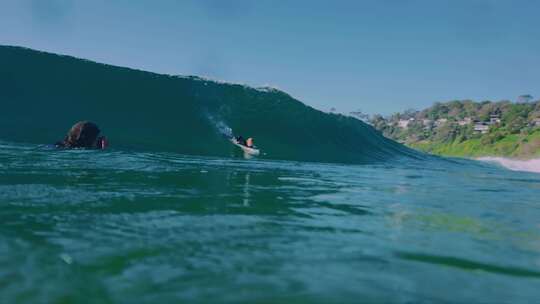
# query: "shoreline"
(530, 165)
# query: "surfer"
(246, 145)
(241, 140)
(249, 143)
(84, 134)
(245, 142)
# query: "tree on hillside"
(438, 110)
(446, 133)
(379, 122)
(524, 98)
(469, 108)
(516, 124)
(455, 110)
(410, 113)
(360, 115)
(485, 110)
(535, 113)
(537, 106)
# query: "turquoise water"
(156, 227)
(332, 212)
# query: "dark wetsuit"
(241, 141)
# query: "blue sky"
(379, 56)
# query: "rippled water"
(130, 227)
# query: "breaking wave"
(44, 94)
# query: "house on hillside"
(481, 127)
(536, 122)
(428, 124)
(465, 121)
(495, 119)
(404, 123)
(441, 121)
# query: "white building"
(426, 122)
(481, 128)
(404, 123)
(441, 121)
(465, 121)
(494, 119)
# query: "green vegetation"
(468, 129)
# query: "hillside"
(469, 129)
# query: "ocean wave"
(44, 94)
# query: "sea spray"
(221, 127)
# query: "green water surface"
(135, 227)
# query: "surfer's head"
(84, 134)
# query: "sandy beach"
(532, 165)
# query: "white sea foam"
(532, 165)
(269, 88)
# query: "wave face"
(43, 94)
